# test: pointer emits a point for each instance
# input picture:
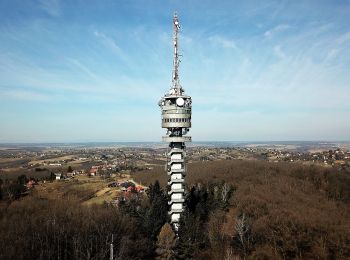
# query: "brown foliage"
(293, 210)
(216, 235)
(166, 243)
(147, 177)
(37, 228)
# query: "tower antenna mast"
(176, 62)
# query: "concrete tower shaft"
(176, 109)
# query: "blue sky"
(94, 70)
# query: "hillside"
(293, 210)
(275, 211)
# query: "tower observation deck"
(176, 109)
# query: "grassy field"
(59, 158)
(81, 189)
(12, 162)
(87, 190)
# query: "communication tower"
(176, 109)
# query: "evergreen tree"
(197, 203)
(154, 191)
(192, 236)
(14, 190)
(22, 179)
(52, 176)
(192, 232)
(157, 214)
(152, 217)
(1, 183)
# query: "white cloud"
(278, 28)
(278, 52)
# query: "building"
(176, 108)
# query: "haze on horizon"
(75, 72)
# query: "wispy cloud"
(331, 54)
(24, 95)
(288, 70)
(223, 42)
(83, 68)
(52, 7)
(344, 38)
(110, 43)
(278, 52)
(279, 28)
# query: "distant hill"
(282, 145)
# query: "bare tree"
(230, 254)
(243, 233)
(225, 192)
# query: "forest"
(234, 210)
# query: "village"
(108, 171)
(110, 162)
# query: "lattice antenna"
(176, 62)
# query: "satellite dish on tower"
(180, 102)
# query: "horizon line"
(200, 141)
